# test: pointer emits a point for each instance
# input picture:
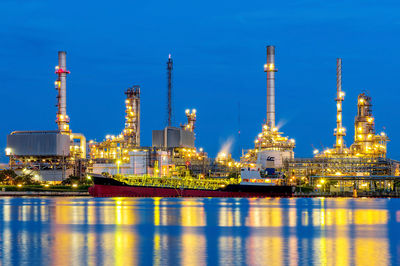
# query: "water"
(129, 231)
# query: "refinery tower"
(50, 155)
(271, 148)
(362, 166)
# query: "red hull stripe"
(131, 191)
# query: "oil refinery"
(55, 155)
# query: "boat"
(254, 182)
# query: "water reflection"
(159, 231)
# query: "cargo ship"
(253, 183)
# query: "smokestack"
(62, 64)
(61, 85)
(270, 69)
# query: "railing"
(187, 182)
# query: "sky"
(219, 49)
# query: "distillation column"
(270, 69)
(61, 85)
(340, 131)
(132, 118)
(191, 120)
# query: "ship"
(254, 183)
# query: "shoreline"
(86, 194)
(44, 193)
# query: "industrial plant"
(50, 155)
(55, 155)
(363, 165)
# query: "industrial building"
(58, 154)
(270, 147)
(361, 166)
(172, 152)
(50, 155)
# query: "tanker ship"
(253, 183)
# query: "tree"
(7, 176)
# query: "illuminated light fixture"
(316, 151)
(8, 151)
(74, 185)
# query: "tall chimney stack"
(270, 69)
(62, 64)
(61, 85)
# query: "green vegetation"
(10, 181)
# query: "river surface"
(197, 231)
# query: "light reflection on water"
(160, 231)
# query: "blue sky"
(218, 49)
